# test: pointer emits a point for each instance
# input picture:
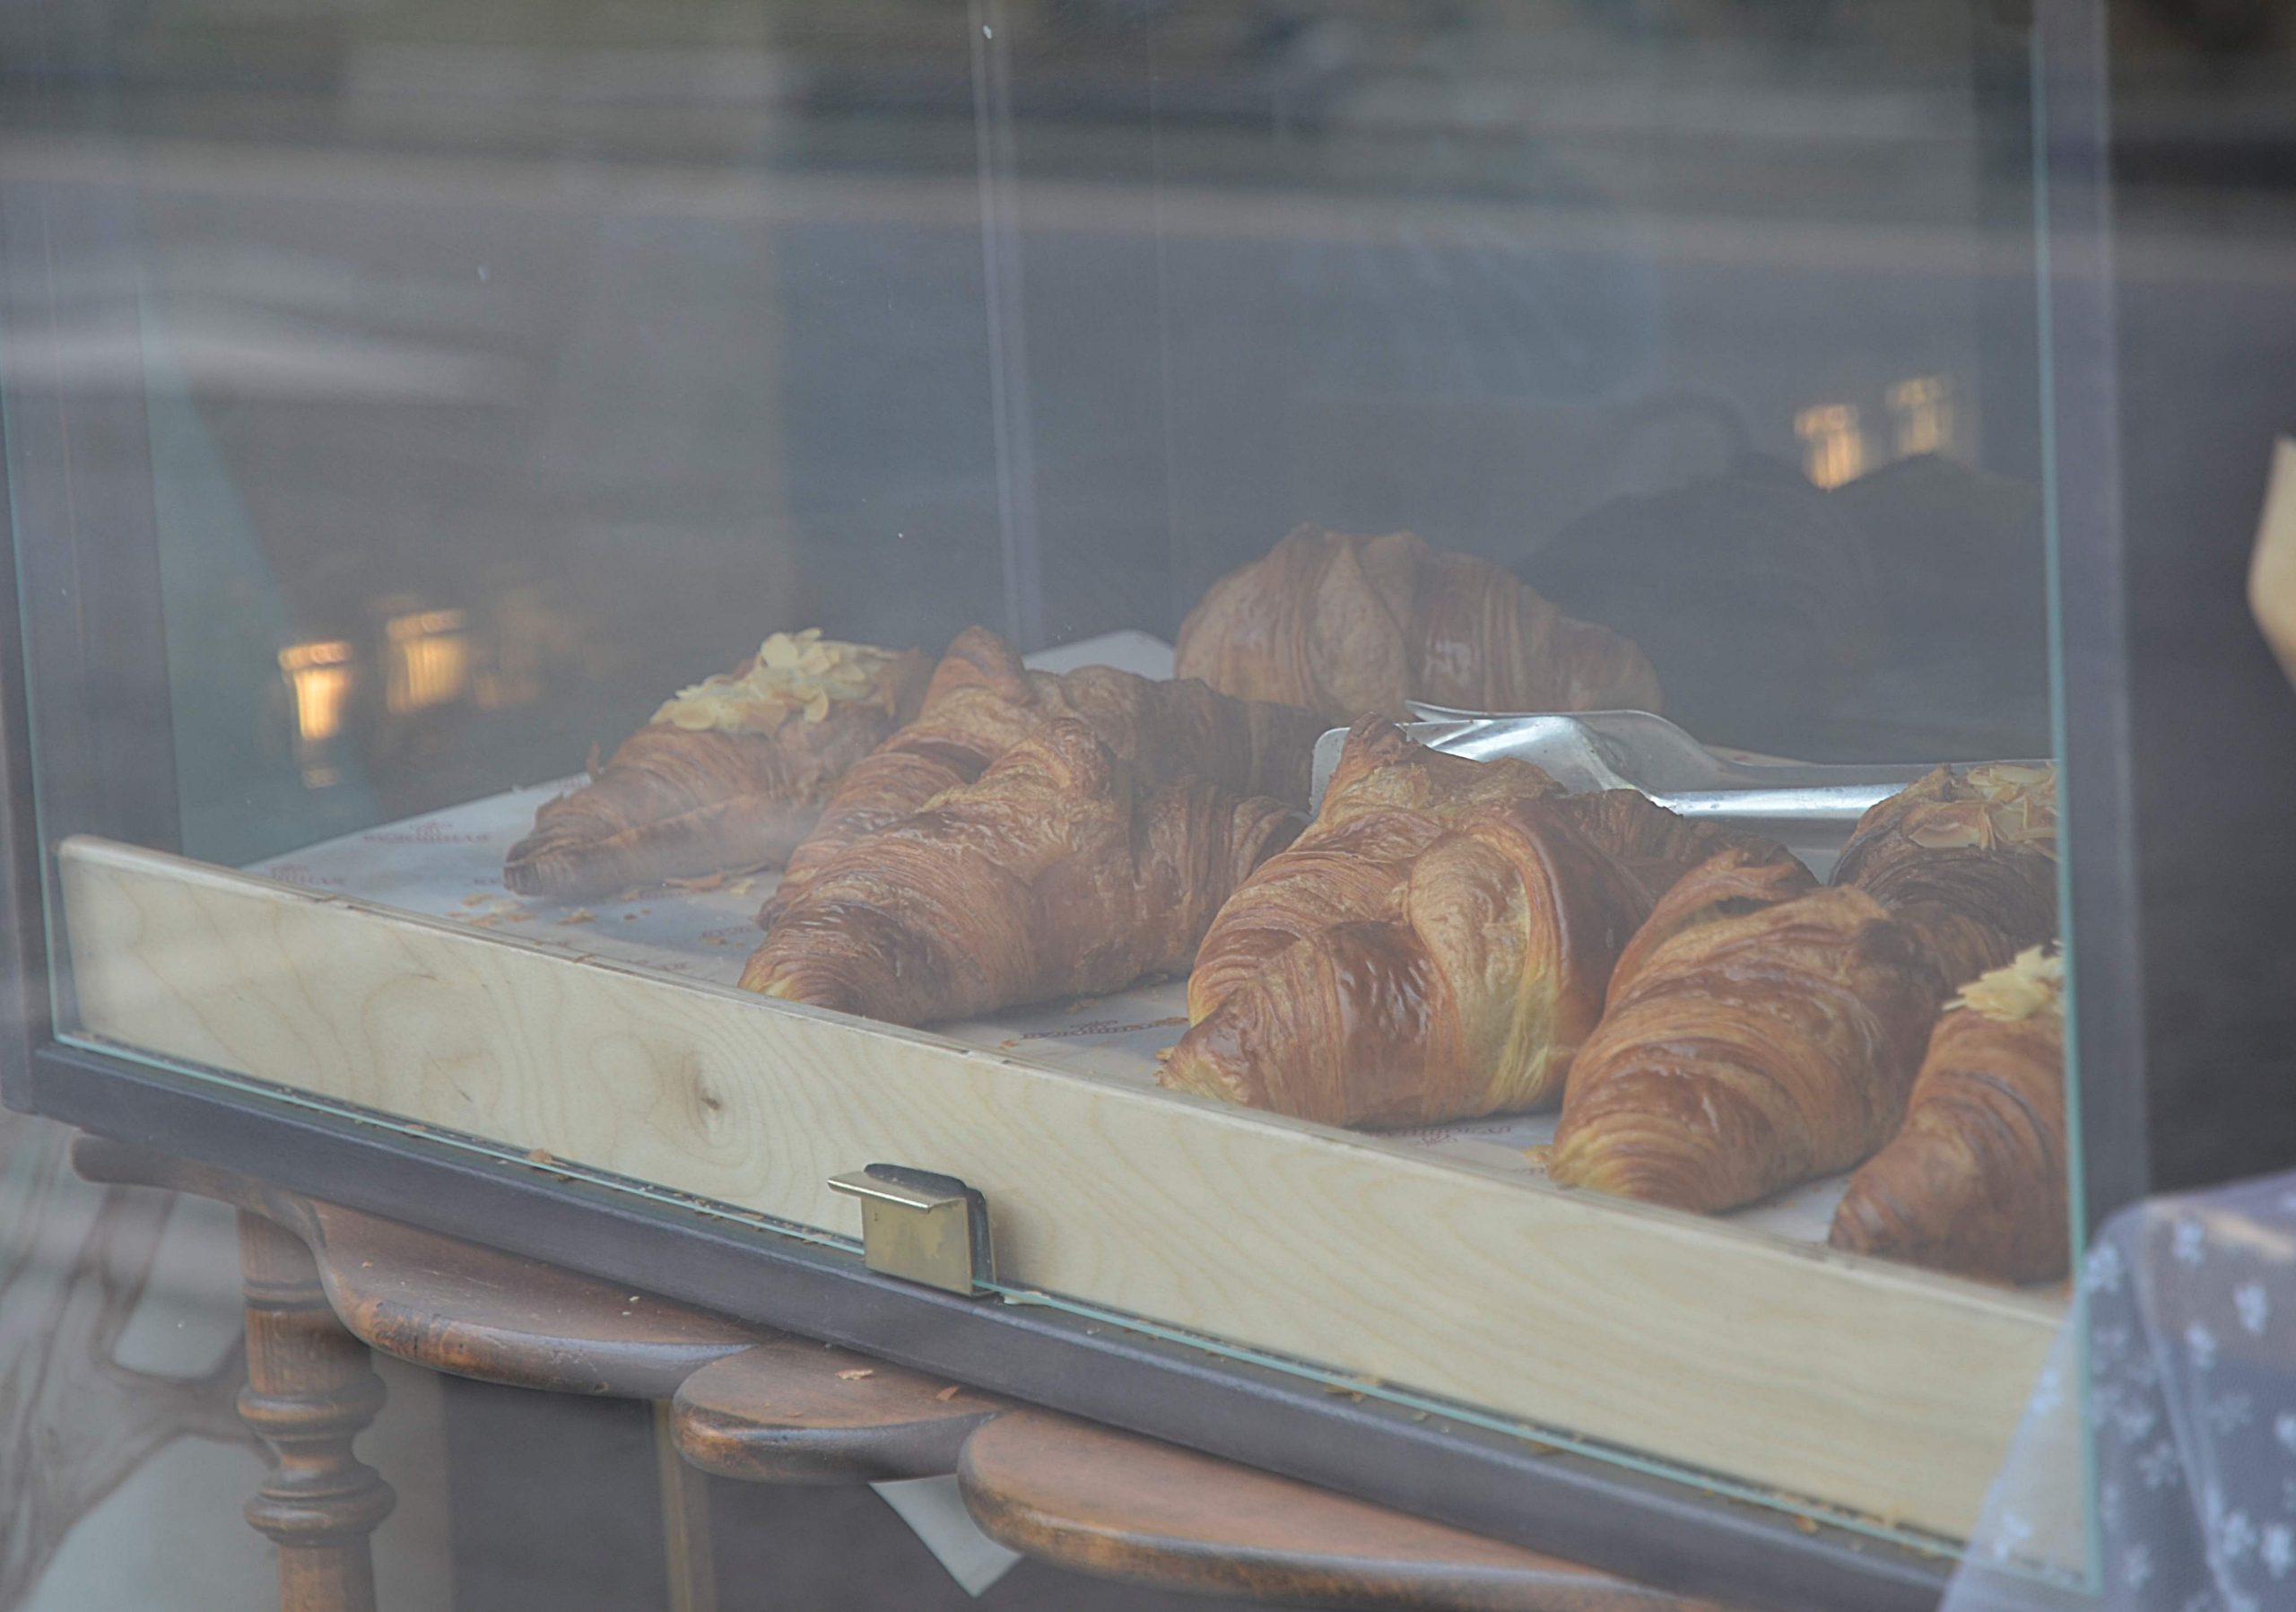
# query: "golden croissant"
(1054, 874)
(730, 773)
(1387, 801)
(1353, 625)
(1966, 858)
(1742, 1054)
(1434, 947)
(982, 700)
(1975, 1181)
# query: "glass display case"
(1429, 699)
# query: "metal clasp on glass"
(922, 1227)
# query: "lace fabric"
(2186, 1313)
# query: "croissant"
(1742, 1054)
(1966, 858)
(1975, 1181)
(1055, 873)
(1434, 947)
(1732, 883)
(730, 773)
(1388, 800)
(1349, 626)
(982, 700)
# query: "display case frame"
(106, 651)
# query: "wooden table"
(324, 1284)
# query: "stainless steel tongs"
(1805, 807)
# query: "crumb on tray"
(581, 915)
(857, 1374)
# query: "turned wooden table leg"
(310, 1389)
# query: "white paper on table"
(935, 1510)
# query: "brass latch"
(922, 1227)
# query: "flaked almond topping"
(2012, 805)
(2004, 776)
(2032, 980)
(794, 674)
(1947, 829)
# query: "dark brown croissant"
(1434, 957)
(731, 773)
(1975, 1181)
(982, 701)
(1743, 1054)
(1965, 858)
(1048, 877)
(1355, 625)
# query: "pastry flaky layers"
(1436, 945)
(982, 700)
(1058, 872)
(1974, 1182)
(1350, 626)
(731, 773)
(1760, 1034)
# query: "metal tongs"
(1806, 807)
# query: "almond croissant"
(1966, 858)
(1435, 946)
(1355, 625)
(1743, 1054)
(982, 701)
(730, 773)
(1052, 875)
(1975, 1181)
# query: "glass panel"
(543, 470)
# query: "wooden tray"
(1881, 1392)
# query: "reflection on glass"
(429, 660)
(1633, 356)
(1833, 447)
(320, 678)
(1923, 410)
